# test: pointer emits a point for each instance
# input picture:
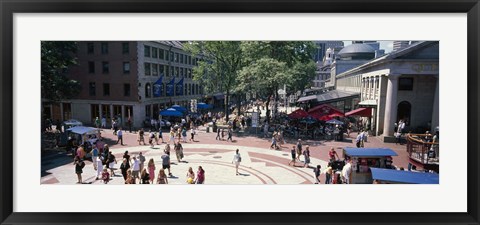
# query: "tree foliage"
(56, 57)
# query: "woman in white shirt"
(237, 159)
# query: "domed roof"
(357, 48)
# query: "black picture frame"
(9, 7)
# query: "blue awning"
(406, 177)
(359, 152)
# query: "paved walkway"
(260, 165)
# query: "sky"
(387, 45)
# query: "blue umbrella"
(202, 105)
(334, 121)
(171, 112)
(179, 108)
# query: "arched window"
(148, 90)
(404, 110)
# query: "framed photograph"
(267, 104)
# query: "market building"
(400, 85)
(135, 79)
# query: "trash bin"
(214, 129)
(208, 129)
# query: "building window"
(185, 89)
(172, 71)
(155, 69)
(104, 48)
(181, 58)
(171, 56)
(154, 52)
(125, 48)
(106, 89)
(90, 48)
(126, 67)
(161, 70)
(176, 71)
(181, 72)
(167, 55)
(147, 110)
(167, 72)
(91, 89)
(176, 57)
(161, 53)
(126, 90)
(405, 84)
(147, 69)
(105, 67)
(147, 51)
(189, 60)
(148, 90)
(91, 67)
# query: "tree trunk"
(239, 104)
(227, 96)
(268, 110)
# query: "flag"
(158, 87)
(170, 87)
(179, 88)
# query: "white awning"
(371, 102)
(307, 98)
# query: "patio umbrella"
(202, 105)
(336, 114)
(334, 121)
(307, 121)
(171, 112)
(298, 114)
(325, 118)
(179, 108)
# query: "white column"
(364, 91)
(391, 105)
(435, 118)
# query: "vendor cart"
(365, 158)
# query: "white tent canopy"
(83, 130)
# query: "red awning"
(364, 112)
(298, 114)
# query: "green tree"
(56, 57)
(290, 63)
(219, 67)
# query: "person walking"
(162, 177)
(190, 176)
(192, 134)
(120, 136)
(218, 134)
(94, 157)
(142, 159)
(178, 151)
(124, 167)
(166, 163)
(160, 134)
(299, 149)
(237, 159)
(140, 137)
(151, 137)
(172, 136)
(317, 173)
(111, 163)
(306, 155)
(97, 122)
(104, 122)
(115, 127)
(79, 164)
(129, 122)
(144, 177)
(223, 134)
(136, 168)
(130, 179)
(151, 170)
(99, 167)
(347, 172)
(230, 134)
(127, 157)
(332, 155)
(328, 173)
(200, 176)
(293, 153)
(167, 149)
(184, 134)
(105, 176)
(274, 143)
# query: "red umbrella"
(298, 114)
(336, 114)
(325, 118)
